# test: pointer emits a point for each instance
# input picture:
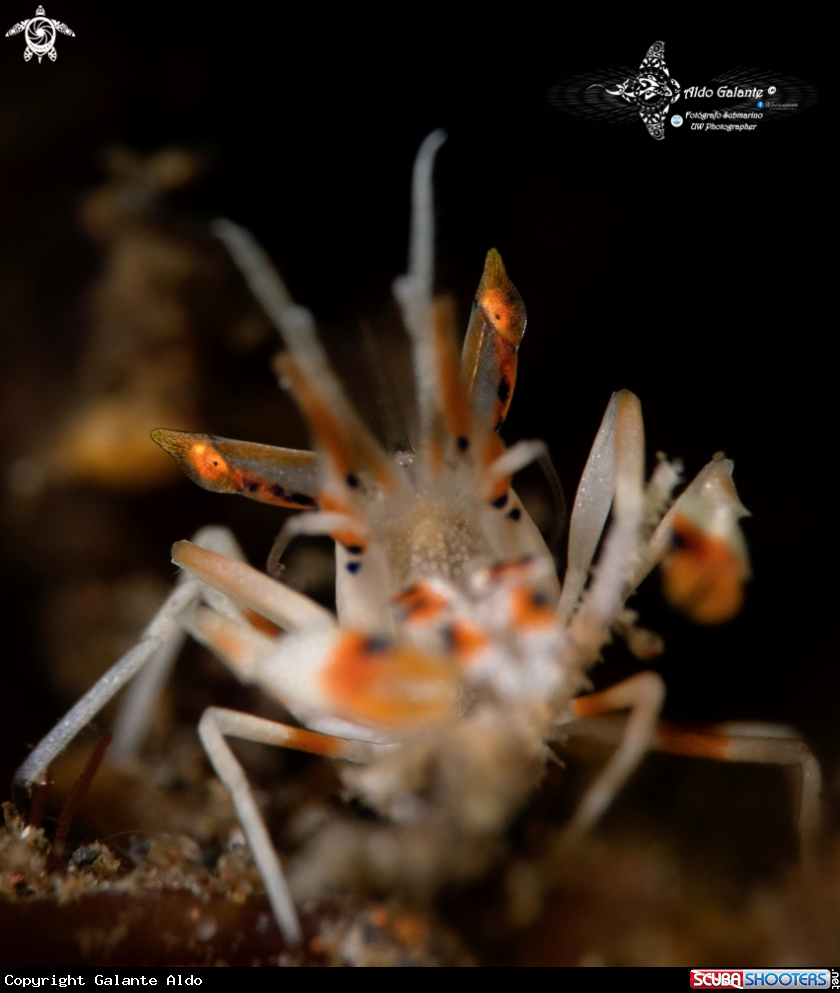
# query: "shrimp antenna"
(414, 290)
(421, 244)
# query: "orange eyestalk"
(285, 477)
(489, 358)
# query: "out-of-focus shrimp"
(455, 654)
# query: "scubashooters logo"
(625, 96)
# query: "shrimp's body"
(455, 654)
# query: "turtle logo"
(39, 32)
(651, 89)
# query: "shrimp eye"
(208, 463)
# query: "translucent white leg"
(140, 701)
(590, 509)
(589, 628)
(742, 742)
(142, 695)
(217, 722)
(644, 695)
(515, 458)
(314, 522)
(765, 744)
(235, 580)
(159, 632)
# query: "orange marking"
(498, 307)
(350, 539)
(260, 623)
(215, 464)
(434, 449)
(502, 306)
(494, 336)
(342, 436)
(493, 448)
(500, 488)
(456, 411)
(420, 602)
(690, 743)
(310, 741)
(388, 685)
(500, 301)
(228, 644)
(703, 576)
(199, 458)
(333, 503)
(591, 705)
(529, 609)
(347, 538)
(331, 434)
(506, 362)
(468, 640)
(512, 568)
(208, 463)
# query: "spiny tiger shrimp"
(455, 655)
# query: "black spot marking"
(515, 514)
(678, 541)
(462, 443)
(306, 501)
(354, 566)
(503, 392)
(539, 599)
(500, 501)
(377, 645)
(498, 317)
(352, 481)
(300, 499)
(253, 487)
(355, 549)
